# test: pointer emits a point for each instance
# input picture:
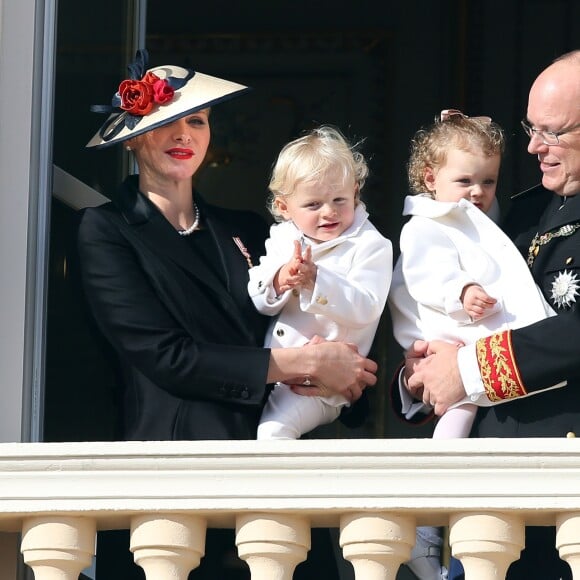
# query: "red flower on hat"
(138, 97)
(162, 91)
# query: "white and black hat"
(149, 99)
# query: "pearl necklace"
(193, 226)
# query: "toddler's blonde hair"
(310, 158)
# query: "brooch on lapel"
(564, 289)
(244, 251)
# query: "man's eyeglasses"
(547, 137)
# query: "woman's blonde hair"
(429, 145)
(310, 158)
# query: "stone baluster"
(272, 544)
(486, 543)
(376, 545)
(568, 540)
(168, 546)
(58, 548)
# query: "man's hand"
(438, 375)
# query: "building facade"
(379, 77)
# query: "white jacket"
(444, 246)
(349, 295)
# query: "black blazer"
(189, 341)
(549, 351)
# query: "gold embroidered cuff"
(499, 372)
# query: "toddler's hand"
(476, 301)
(307, 270)
(299, 271)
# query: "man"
(545, 225)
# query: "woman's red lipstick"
(180, 153)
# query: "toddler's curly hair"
(429, 145)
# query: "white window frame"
(27, 34)
(27, 72)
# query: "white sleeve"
(432, 269)
(355, 298)
(279, 249)
(470, 375)
(410, 406)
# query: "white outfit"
(349, 296)
(444, 247)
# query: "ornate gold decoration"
(540, 240)
(500, 375)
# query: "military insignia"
(540, 240)
(565, 289)
(499, 371)
(244, 251)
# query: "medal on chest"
(540, 240)
(565, 288)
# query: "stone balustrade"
(57, 495)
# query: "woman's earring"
(128, 148)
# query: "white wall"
(27, 33)
(16, 52)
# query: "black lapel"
(158, 234)
(538, 210)
(560, 212)
(550, 216)
(232, 260)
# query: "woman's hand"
(337, 368)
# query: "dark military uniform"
(546, 229)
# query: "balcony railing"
(57, 495)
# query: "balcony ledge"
(535, 478)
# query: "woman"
(165, 275)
